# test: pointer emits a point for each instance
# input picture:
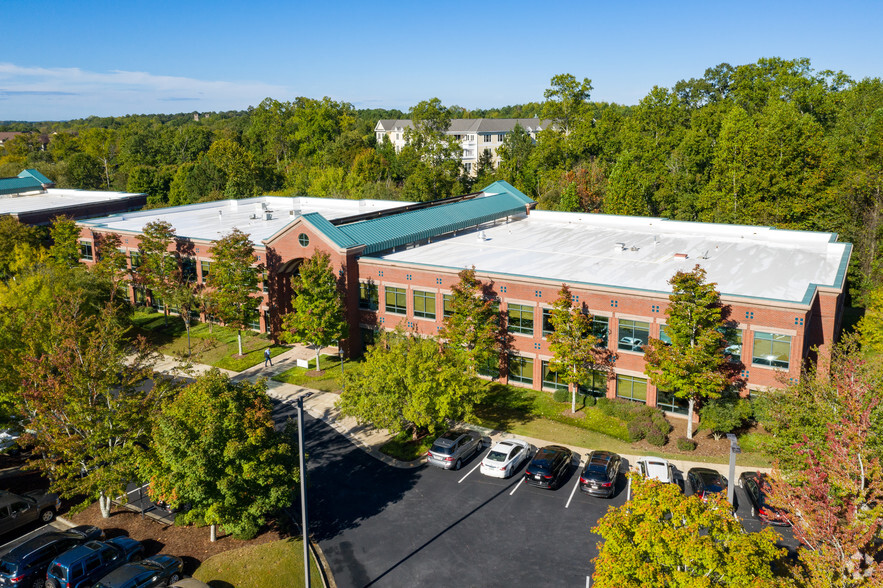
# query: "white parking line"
(575, 486)
(517, 486)
(469, 472)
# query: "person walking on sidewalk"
(267, 359)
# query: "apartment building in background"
(399, 261)
(474, 135)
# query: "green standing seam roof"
(396, 230)
(30, 172)
(322, 225)
(16, 185)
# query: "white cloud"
(38, 93)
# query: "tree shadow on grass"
(504, 407)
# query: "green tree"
(566, 101)
(317, 318)
(661, 538)
(217, 450)
(65, 234)
(410, 383)
(574, 348)
(112, 265)
(82, 171)
(83, 400)
(101, 144)
(870, 327)
(12, 233)
(234, 281)
(693, 366)
(515, 155)
(473, 322)
(725, 414)
(159, 269)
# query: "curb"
(65, 522)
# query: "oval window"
(303, 239)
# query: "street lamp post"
(303, 489)
(731, 485)
(342, 375)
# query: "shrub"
(685, 444)
(722, 415)
(561, 396)
(661, 422)
(639, 429)
(656, 437)
(588, 400)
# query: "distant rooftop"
(472, 125)
(212, 220)
(643, 253)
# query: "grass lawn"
(403, 448)
(209, 344)
(269, 565)
(328, 381)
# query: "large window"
(595, 384)
(367, 296)
(86, 250)
(631, 388)
(254, 320)
(205, 267)
(771, 349)
(424, 304)
(520, 319)
(135, 256)
(733, 342)
(633, 335)
(663, 336)
(521, 369)
(670, 403)
(600, 328)
(548, 328)
(188, 269)
(447, 304)
(395, 300)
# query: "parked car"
(504, 458)
(159, 570)
(599, 475)
(657, 469)
(189, 583)
(449, 450)
(81, 566)
(753, 483)
(549, 467)
(705, 481)
(25, 565)
(17, 510)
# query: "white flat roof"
(643, 253)
(212, 220)
(56, 198)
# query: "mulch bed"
(189, 543)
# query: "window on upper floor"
(633, 335)
(771, 349)
(520, 319)
(500, 137)
(367, 296)
(487, 138)
(395, 300)
(447, 304)
(86, 250)
(424, 304)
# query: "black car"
(705, 481)
(26, 564)
(599, 475)
(754, 484)
(159, 570)
(549, 467)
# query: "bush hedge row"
(642, 421)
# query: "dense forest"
(772, 143)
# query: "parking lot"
(383, 526)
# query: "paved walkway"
(321, 405)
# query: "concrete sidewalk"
(321, 405)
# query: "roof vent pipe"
(220, 216)
(234, 205)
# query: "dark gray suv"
(451, 449)
(17, 510)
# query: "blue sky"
(64, 59)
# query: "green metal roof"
(17, 185)
(322, 225)
(30, 172)
(379, 234)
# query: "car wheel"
(457, 465)
(51, 583)
(39, 583)
(174, 578)
(47, 515)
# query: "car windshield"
(496, 456)
(436, 448)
